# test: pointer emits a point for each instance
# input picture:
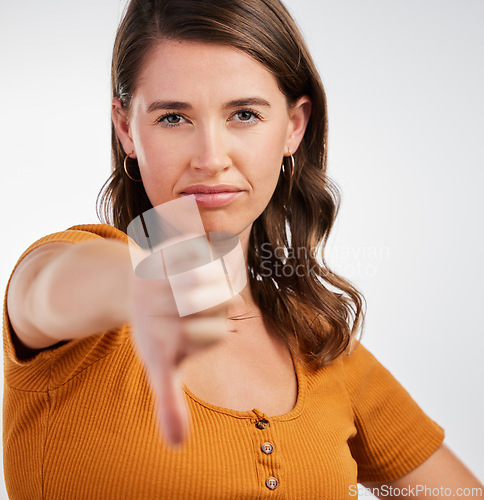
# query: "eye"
(171, 120)
(247, 116)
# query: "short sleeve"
(53, 367)
(394, 435)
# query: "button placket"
(266, 448)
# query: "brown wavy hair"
(313, 310)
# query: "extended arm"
(63, 291)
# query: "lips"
(205, 189)
(213, 196)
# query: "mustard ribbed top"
(78, 423)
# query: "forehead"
(192, 69)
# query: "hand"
(163, 338)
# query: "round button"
(267, 448)
(262, 424)
(271, 483)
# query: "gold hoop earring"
(126, 168)
(293, 168)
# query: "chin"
(218, 225)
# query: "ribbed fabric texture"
(79, 424)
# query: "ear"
(299, 115)
(122, 127)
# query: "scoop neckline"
(255, 412)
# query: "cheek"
(264, 175)
(266, 143)
(158, 177)
(266, 163)
(149, 149)
(158, 164)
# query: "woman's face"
(209, 117)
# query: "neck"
(243, 305)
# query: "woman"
(209, 99)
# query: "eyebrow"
(179, 105)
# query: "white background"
(404, 81)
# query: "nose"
(210, 152)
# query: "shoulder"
(76, 234)
(102, 230)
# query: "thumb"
(171, 406)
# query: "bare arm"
(63, 291)
(442, 475)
